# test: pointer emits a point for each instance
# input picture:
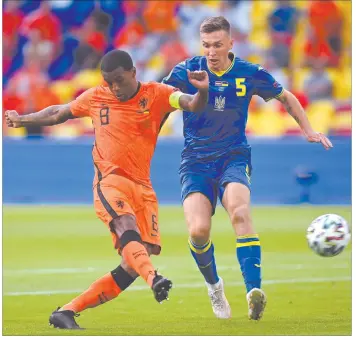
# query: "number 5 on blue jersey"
(241, 87)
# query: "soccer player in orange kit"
(127, 116)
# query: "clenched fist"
(13, 119)
(199, 79)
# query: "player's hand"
(12, 119)
(199, 79)
(318, 137)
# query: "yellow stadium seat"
(300, 4)
(299, 77)
(255, 59)
(345, 60)
(87, 122)
(320, 115)
(342, 123)
(156, 62)
(291, 126)
(297, 48)
(252, 122)
(259, 15)
(341, 82)
(346, 9)
(267, 123)
(87, 78)
(168, 127)
(212, 3)
(64, 90)
(18, 133)
(65, 131)
(260, 39)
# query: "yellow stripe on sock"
(247, 236)
(247, 244)
(197, 250)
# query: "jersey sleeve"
(177, 77)
(266, 86)
(80, 107)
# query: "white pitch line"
(45, 271)
(294, 266)
(50, 271)
(190, 285)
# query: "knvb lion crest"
(143, 102)
(219, 103)
(120, 204)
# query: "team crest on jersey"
(143, 103)
(219, 103)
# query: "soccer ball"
(328, 235)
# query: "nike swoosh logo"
(257, 265)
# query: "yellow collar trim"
(221, 73)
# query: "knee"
(199, 232)
(240, 216)
(126, 229)
(123, 223)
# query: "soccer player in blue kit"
(216, 160)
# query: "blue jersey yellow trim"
(221, 73)
(277, 96)
(220, 129)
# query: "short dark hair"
(114, 59)
(213, 24)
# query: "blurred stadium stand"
(52, 49)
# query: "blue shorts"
(211, 177)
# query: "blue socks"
(204, 257)
(248, 251)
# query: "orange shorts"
(116, 195)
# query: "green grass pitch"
(50, 254)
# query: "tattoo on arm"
(52, 115)
(288, 107)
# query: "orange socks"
(101, 291)
(112, 284)
(136, 256)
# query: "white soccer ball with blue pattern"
(328, 235)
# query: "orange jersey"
(125, 132)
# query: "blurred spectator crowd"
(52, 51)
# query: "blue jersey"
(220, 129)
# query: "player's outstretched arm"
(293, 107)
(52, 115)
(197, 102)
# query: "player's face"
(216, 47)
(122, 83)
